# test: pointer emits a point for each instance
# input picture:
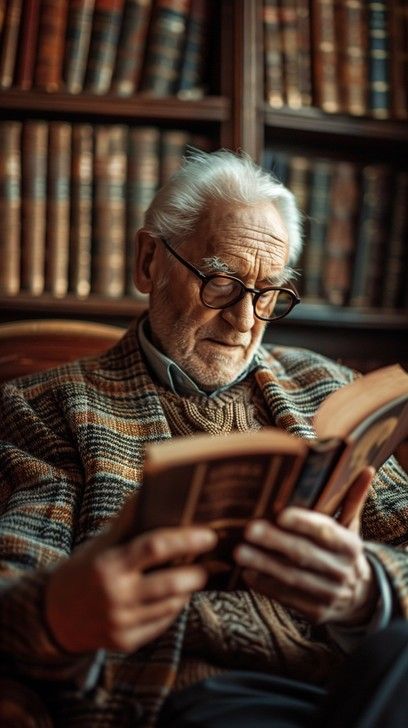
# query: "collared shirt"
(171, 375)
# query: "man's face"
(215, 346)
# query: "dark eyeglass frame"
(255, 292)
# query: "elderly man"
(106, 630)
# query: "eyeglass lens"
(221, 291)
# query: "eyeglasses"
(222, 290)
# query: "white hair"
(177, 207)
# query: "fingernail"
(256, 530)
(244, 554)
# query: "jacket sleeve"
(40, 491)
(385, 529)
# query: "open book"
(225, 481)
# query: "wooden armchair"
(31, 346)
(27, 347)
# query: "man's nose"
(241, 315)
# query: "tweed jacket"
(71, 451)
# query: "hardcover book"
(223, 482)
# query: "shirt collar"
(171, 375)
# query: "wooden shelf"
(315, 121)
(92, 307)
(209, 108)
(336, 316)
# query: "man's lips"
(222, 342)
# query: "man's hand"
(311, 563)
(104, 595)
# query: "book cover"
(10, 206)
(165, 47)
(341, 233)
(319, 211)
(378, 60)
(191, 82)
(51, 44)
(353, 56)
(58, 206)
(109, 217)
(373, 231)
(223, 482)
(325, 56)
(34, 202)
(107, 18)
(78, 37)
(81, 209)
(131, 47)
(9, 42)
(27, 46)
(273, 60)
(143, 176)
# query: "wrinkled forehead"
(257, 228)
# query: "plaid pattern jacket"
(71, 451)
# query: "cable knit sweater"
(72, 450)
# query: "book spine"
(273, 54)
(77, 44)
(34, 199)
(165, 46)
(81, 209)
(51, 42)
(109, 210)
(378, 53)
(398, 36)
(393, 281)
(3, 4)
(277, 163)
(299, 181)
(104, 39)
(353, 54)
(341, 233)
(10, 206)
(304, 53)
(143, 177)
(191, 77)
(319, 210)
(27, 45)
(131, 47)
(173, 145)
(372, 233)
(325, 60)
(9, 42)
(290, 53)
(58, 203)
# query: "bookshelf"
(231, 111)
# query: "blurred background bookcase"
(315, 90)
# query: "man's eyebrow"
(214, 264)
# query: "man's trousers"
(370, 692)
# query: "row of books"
(343, 56)
(356, 229)
(157, 47)
(72, 197)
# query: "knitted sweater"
(72, 451)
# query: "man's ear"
(145, 261)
